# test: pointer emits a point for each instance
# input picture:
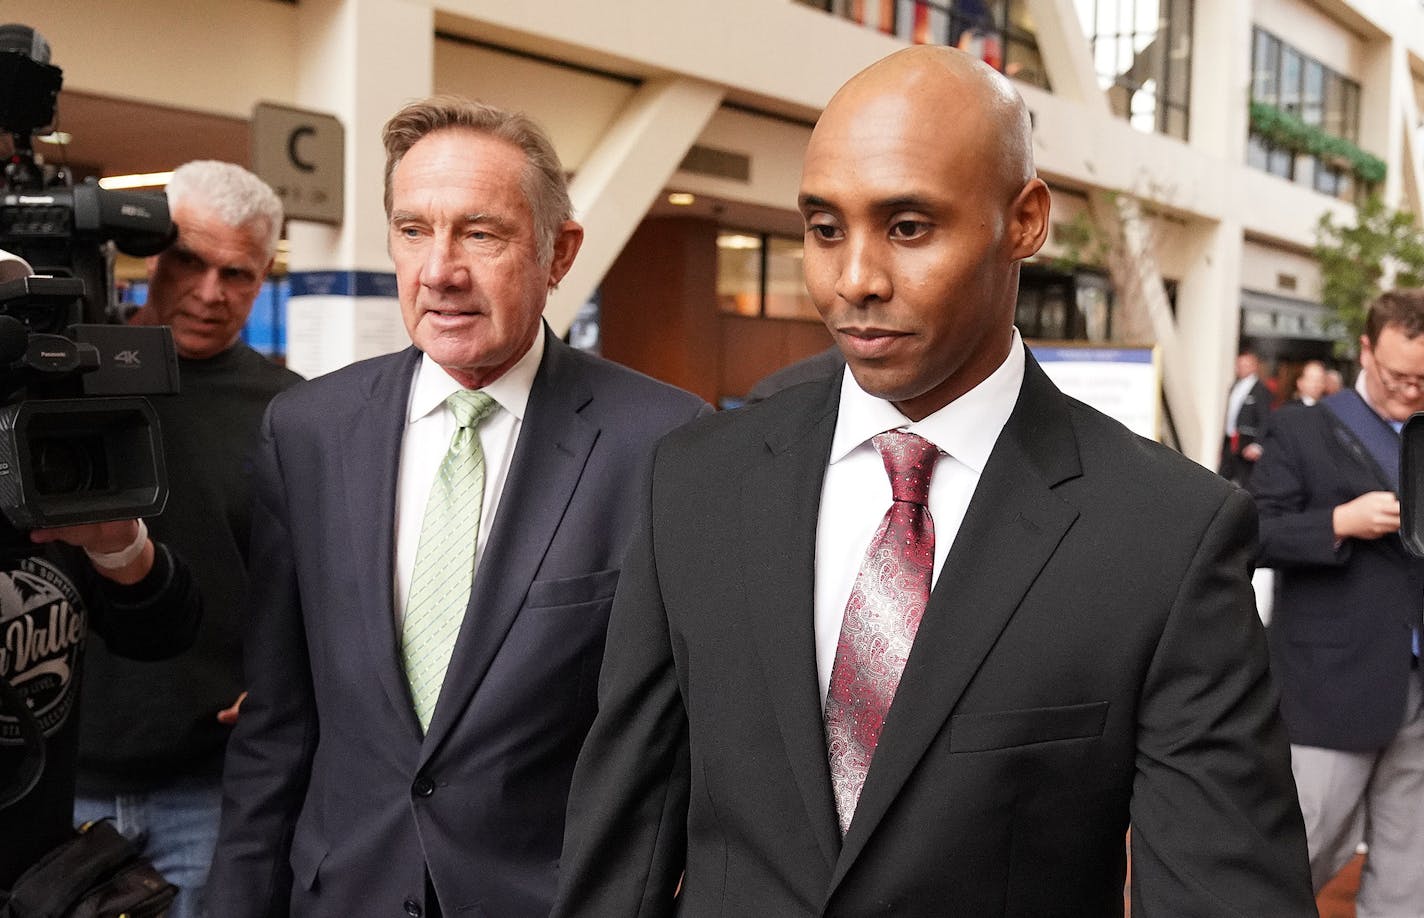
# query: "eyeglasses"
(1395, 383)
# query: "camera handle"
(13, 704)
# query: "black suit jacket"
(336, 805)
(1250, 427)
(1090, 657)
(1340, 643)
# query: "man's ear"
(1028, 219)
(567, 241)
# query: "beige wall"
(1303, 26)
(574, 106)
(217, 56)
(1262, 265)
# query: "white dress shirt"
(856, 493)
(1236, 399)
(429, 428)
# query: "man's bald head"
(952, 92)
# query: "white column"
(1208, 324)
(622, 176)
(360, 60)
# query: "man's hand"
(228, 715)
(1368, 516)
(105, 538)
(1251, 452)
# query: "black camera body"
(78, 443)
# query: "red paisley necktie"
(881, 617)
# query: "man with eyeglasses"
(1344, 633)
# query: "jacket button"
(412, 908)
(423, 787)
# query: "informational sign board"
(1122, 382)
(300, 154)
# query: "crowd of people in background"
(1324, 469)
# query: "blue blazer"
(1340, 642)
(335, 803)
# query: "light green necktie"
(445, 557)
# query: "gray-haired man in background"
(154, 733)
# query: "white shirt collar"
(966, 428)
(433, 385)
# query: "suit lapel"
(780, 505)
(1013, 525)
(554, 443)
(370, 459)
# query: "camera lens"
(64, 465)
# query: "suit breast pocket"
(975, 732)
(572, 591)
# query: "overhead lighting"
(737, 241)
(682, 198)
(56, 137)
(139, 180)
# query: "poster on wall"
(1122, 382)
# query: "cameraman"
(130, 590)
(160, 775)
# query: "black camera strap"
(13, 704)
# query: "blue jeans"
(178, 826)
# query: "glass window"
(1266, 68)
(1256, 152)
(1290, 81)
(760, 275)
(1332, 119)
(1023, 62)
(1142, 53)
(1312, 109)
(1328, 179)
(1320, 97)
(786, 296)
(1350, 105)
(1094, 297)
(739, 273)
(1280, 162)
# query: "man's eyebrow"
(903, 202)
(897, 202)
(402, 215)
(494, 220)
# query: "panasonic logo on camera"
(131, 210)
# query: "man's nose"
(210, 288)
(441, 268)
(863, 278)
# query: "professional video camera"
(76, 443)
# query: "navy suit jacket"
(335, 803)
(1340, 642)
(1090, 657)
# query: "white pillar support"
(1208, 325)
(623, 175)
(1411, 156)
(343, 306)
(1067, 58)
